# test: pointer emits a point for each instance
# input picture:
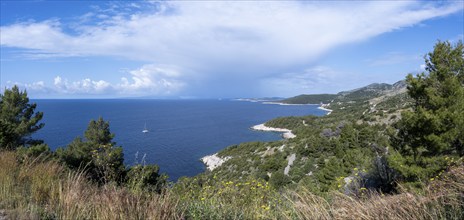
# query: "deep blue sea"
(180, 131)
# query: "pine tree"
(98, 153)
(98, 132)
(434, 128)
(18, 119)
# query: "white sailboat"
(145, 130)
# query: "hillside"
(328, 152)
(363, 93)
(310, 99)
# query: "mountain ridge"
(370, 91)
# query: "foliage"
(34, 151)
(310, 99)
(279, 179)
(98, 132)
(98, 154)
(204, 197)
(145, 177)
(18, 119)
(435, 128)
(291, 122)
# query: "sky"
(216, 49)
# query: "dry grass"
(38, 189)
(442, 199)
(82, 200)
(43, 189)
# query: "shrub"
(145, 177)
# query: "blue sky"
(213, 49)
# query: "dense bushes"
(145, 177)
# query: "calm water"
(181, 131)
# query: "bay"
(180, 131)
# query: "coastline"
(287, 133)
(323, 107)
(213, 161)
(281, 103)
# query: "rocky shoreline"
(287, 133)
(323, 107)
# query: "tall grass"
(43, 189)
(441, 199)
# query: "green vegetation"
(98, 154)
(385, 152)
(310, 99)
(432, 135)
(17, 119)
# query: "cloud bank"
(238, 40)
(149, 79)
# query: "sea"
(180, 131)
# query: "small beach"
(287, 133)
(322, 107)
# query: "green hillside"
(310, 99)
(327, 149)
(360, 94)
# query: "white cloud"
(151, 79)
(156, 80)
(238, 41)
(85, 86)
(238, 33)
